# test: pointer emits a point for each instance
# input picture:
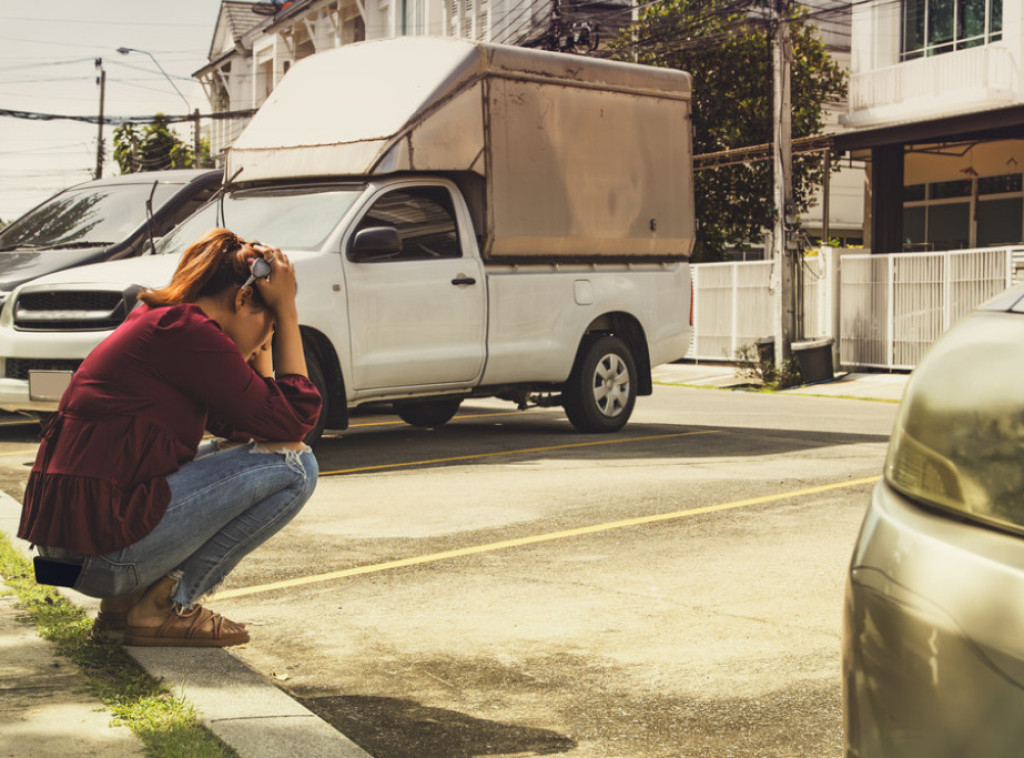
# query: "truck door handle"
(463, 279)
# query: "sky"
(47, 65)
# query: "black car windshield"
(285, 217)
(82, 216)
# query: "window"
(988, 210)
(932, 27)
(949, 226)
(999, 221)
(413, 13)
(424, 218)
(88, 216)
(299, 217)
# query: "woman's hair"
(215, 262)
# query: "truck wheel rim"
(611, 385)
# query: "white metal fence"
(883, 311)
(732, 308)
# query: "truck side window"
(424, 218)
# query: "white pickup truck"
(465, 220)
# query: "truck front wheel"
(316, 375)
(428, 413)
(601, 392)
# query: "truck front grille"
(71, 310)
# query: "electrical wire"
(142, 24)
(121, 120)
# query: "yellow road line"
(536, 539)
(473, 456)
(460, 417)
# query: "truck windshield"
(285, 217)
(86, 216)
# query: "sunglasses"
(258, 269)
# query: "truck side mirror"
(375, 243)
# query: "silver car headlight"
(958, 443)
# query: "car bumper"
(933, 636)
(42, 350)
(14, 396)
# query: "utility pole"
(783, 242)
(195, 139)
(102, 81)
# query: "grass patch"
(166, 725)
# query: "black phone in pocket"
(56, 573)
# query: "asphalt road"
(503, 586)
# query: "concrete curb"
(239, 705)
(854, 385)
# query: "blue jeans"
(224, 504)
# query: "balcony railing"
(973, 76)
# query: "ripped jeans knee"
(295, 454)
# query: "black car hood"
(20, 266)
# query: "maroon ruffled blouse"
(135, 411)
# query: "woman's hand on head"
(278, 292)
(278, 289)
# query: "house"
(937, 110)
(845, 205)
(255, 43)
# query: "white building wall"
(884, 90)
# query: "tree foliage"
(726, 47)
(155, 148)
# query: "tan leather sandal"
(199, 627)
(113, 613)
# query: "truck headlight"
(958, 443)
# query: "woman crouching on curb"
(122, 487)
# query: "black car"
(100, 220)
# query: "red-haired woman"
(121, 486)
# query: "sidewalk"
(45, 709)
(857, 385)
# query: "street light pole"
(188, 107)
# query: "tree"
(726, 47)
(155, 148)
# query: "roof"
(235, 19)
(996, 123)
(172, 176)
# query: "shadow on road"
(397, 728)
(469, 441)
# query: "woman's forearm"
(289, 357)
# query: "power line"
(121, 120)
(103, 23)
(89, 47)
(50, 63)
(148, 70)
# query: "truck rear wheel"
(428, 413)
(601, 392)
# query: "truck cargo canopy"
(582, 158)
